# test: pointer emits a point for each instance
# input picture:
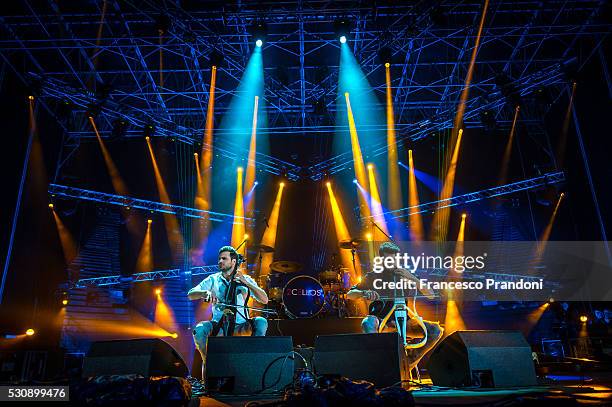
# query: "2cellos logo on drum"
(304, 292)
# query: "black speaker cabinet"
(148, 357)
(376, 358)
(483, 359)
(248, 364)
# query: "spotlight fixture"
(149, 221)
(50, 206)
(119, 129)
(30, 332)
(158, 291)
(342, 29)
(174, 335)
(328, 184)
(259, 31)
(148, 130)
(369, 236)
(246, 236)
(355, 181)
(31, 97)
(64, 302)
(370, 166)
(282, 184)
(384, 54)
(464, 215)
(583, 318)
(216, 58)
(551, 300)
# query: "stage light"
(355, 181)
(369, 236)
(64, 302)
(195, 155)
(158, 291)
(30, 332)
(51, 205)
(282, 184)
(239, 169)
(464, 215)
(259, 31)
(149, 221)
(31, 97)
(147, 138)
(387, 64)
(246, 236)
(370, 167)
(551, 300)
(583, 318)
(256, 183)
(328, 184)
(174, 335)
(342, 39)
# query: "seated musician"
(218, 288)
(379, 307)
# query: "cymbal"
(350, 243)
(283, 266)
(261, 248)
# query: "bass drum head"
(303, 297)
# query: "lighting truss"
(57, 42)
(147, 276)
(537, 182)
(135, 203)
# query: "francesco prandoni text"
(488, 284)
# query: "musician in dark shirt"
(382, 301)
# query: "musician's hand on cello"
(209, 296)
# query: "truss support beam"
(528, 184)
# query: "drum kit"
(304, 296)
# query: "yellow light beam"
(164, 316)
(360, 172)
(238, 228)
(342, 233)
(117, 181)
(508, 151)
(203, 194)
(144, 262)
(393, 174)
(376, 206)
(269, 237)
(468, 78)
(440, 219)
(68, 243)
(416, 220)
(453, 320)
(250, 169)
(172, 227)
(545, 236)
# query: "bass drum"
(303, 297)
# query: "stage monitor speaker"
(482, 359)
(376, 358)
(147, 357)
(248, 364)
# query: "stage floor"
(595, 389)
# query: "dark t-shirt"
(381, 308)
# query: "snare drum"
(303, 297)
